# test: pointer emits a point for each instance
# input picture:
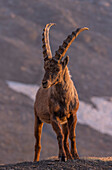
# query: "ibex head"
(54, 66)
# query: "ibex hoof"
(70, 158)
(76, 157)
(62, 158)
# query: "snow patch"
(100, 118)
(27, 89)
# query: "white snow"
(100, 118)
(27, 89)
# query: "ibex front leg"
(57, 128)
(37, 131)
(72, 125)
(66, 143)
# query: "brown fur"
(57, 103)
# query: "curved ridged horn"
(45, 39)
(60, 53)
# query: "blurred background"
(21, 72)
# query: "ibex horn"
(60, 53)
(45, 39)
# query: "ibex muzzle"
(45, 81)
(58, 103)
(45, 84)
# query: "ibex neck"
(65, 84)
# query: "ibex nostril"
(44, 83)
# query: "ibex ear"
(65, 61)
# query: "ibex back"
(57, 99)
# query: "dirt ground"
(86, 164)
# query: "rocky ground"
(21, 25)
(86, 164)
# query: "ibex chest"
(62, 107)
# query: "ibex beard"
(57, 100)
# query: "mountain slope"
(21, 25)
(90, 55)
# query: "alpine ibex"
(57, 99)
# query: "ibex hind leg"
(66, 143)
(60, 137)
(72, 125)
(37, 133)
